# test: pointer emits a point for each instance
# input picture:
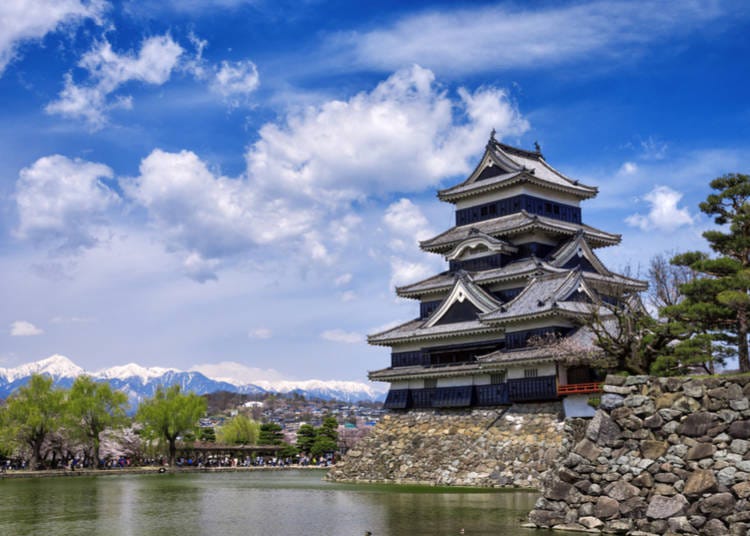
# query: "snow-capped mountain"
(141, 382)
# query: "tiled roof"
(516, 223)
(516, 165)
(582, 337)
(441, 282)
(414, 331)
(544, 296)
(418, 371)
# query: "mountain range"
(141, 382)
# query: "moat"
(274, 503)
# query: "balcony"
(579, 388)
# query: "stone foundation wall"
(661, 456)
(479, 447)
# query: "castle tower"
(521, 267)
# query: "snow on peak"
(132, 370)
(56, 365)
(340, 386)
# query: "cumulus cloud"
(22, 328)
(404, 135)
(260, 333)
(237, 373)
(403, 218)
(27, 20)
(342, 280)
(405, 271)
(664, 215)
(628, 168)
(107, 70)
(341, 336)
(208, 216)
(235, 81)
(63, 200)
(486, 38)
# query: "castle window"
(430, 383)
(530, 373)
(496, 379)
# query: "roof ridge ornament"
(537, 148)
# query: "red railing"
(579, 388)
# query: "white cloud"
(664, 215)
(27, 20)
(342, 280)
(405, 135)
(405, 271)
(341, 336)
(237, 373)
(208, 216)
(260, 333)
(21, 328)
(487, 38)
(653, 149)
(628, 168)
(63, 200)
(107, 71)
(405, 219)
(348, 295)
(235, 81)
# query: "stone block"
(665, 507)
(701, 450)
(606, 508)
(697, 424)
(717, 505)
(621, 490)
(652, 449)
(699, 482)
(740, 429)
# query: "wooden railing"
(579, 388)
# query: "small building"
(522, 268)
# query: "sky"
(236, 186)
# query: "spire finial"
(537, 148)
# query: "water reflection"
(257, 503)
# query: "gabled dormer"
(576, 253)
(502, 167)
(480, 251)
(465, 302)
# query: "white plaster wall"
(483, 379)
(546, 369)
(518, 190)
(454, 382)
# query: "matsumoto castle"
(521, 267)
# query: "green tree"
(730, 208)
(170, 414)
(270, 434)
(326, 437)
(33, 413)
(92, 407)
(241, 430)
(207, 434)
(305, 438)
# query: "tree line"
(47, 425)
(696, 315)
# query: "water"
(262, 503)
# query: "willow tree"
(33, 414)
(241, 430)
(93, 407)
(170, 414)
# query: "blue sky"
(236, 186)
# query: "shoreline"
(59, 473)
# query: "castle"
(521, 269)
